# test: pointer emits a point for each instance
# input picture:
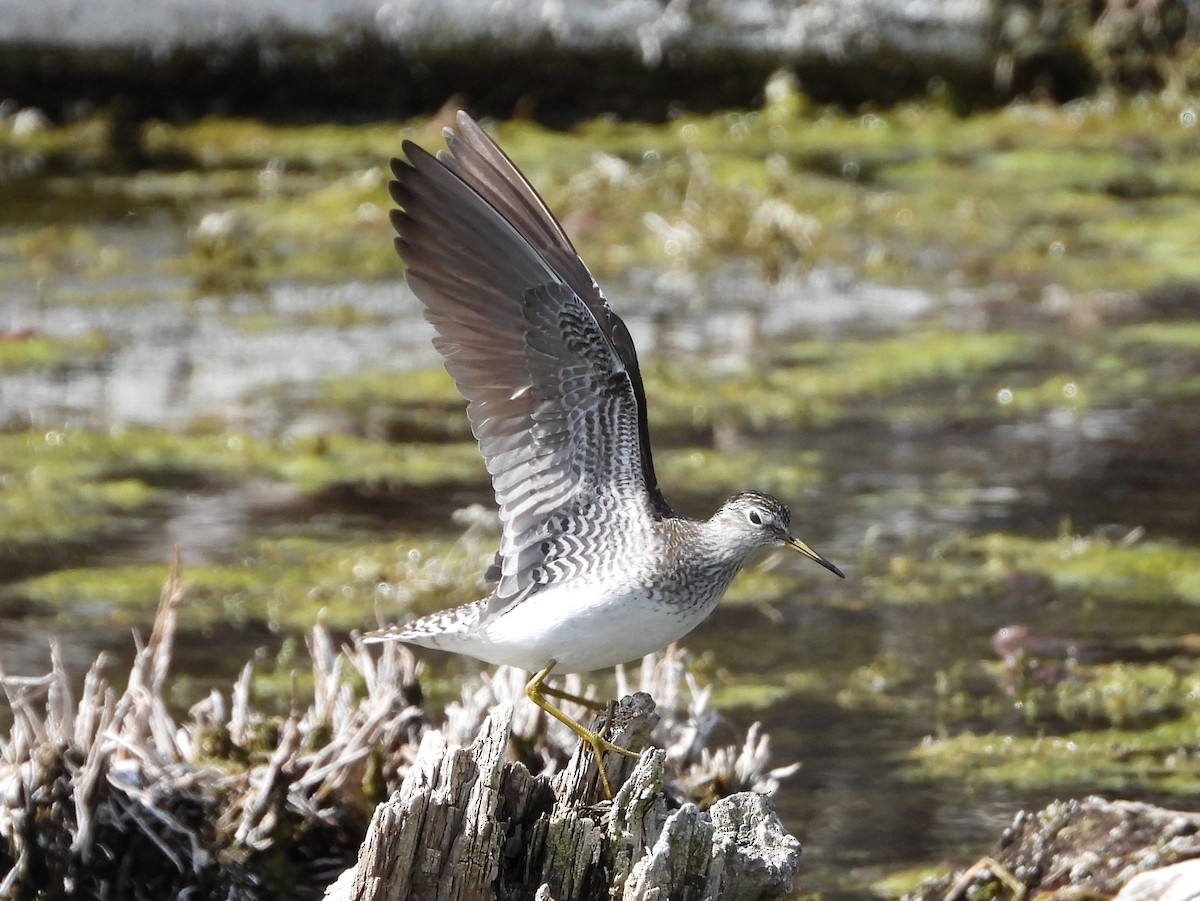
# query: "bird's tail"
(437, 630)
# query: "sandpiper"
(594, 567)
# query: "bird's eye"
(755, 517)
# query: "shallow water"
(899, 471)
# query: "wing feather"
(550, 375)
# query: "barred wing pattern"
(549, 372)
(483, 164)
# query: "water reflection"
(175, 361)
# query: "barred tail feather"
(439, 631)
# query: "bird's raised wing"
(549, 371)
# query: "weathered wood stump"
(466, 824)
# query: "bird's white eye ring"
(755, 517)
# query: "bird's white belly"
(584, 629)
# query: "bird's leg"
(589, 703)
(536, 691)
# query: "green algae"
(229, 254)
(1114, 368)
(1156, 758)
(430, 387)
(901, 363)
(38, 351)
(806, 386)
(801, 386)
(1170, 336)
(1101, 726)
(727, 472)
(881, 186)
(340, 316)
(69, 485)
(1093, 567)
(1110, 726)
(316, 229)
(259, 323)
(42, 510)
(747, 694)
(83, 142)
(54, 496)
(882, 685)
(285, 584)
(337, 316)
(150, 455)
(1117, 695)
(898, 882)
(1097, 567)
(96, 296)
(1095, 195)
(1077, 726)
(52, 249)
(165, 458)
(66, 486)
(981, 376)
(215, 143)
(336, 459)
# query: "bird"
(594, 567)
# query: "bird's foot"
(601, 745)
(536, 691)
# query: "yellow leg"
(536, 691)
(590, 703)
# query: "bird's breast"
(587, 625)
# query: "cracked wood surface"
(467, 824)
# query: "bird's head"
(755, 520)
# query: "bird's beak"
(797, 545)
